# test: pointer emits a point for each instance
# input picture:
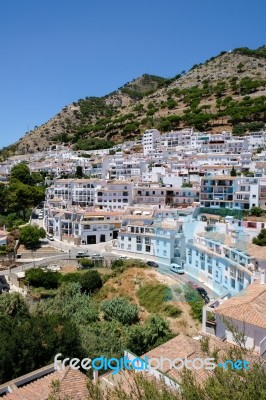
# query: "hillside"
(228, 91)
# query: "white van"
(177, 269)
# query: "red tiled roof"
(72, 385)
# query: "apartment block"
(164, 240)
(217, 192)
(114, 195)
(149, 140)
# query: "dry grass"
(128, 283)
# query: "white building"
(242, 315)
(163, 240)
(149, 140)
(114, 195)
(225, 260)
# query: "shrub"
(153, 297)
(260, 240)
(90, 281)
(195, 301)
(121, 310)
(36, 277)
(171, 311)
(86, 263)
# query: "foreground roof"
(248, 306)
(71, 385)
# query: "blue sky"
(55, 52)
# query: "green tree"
(31, 343)
(13, 305)
(142, 338)
(90, 281)
(3, 197)
(260, 240)
(121, 310)
(79, 172)
(36, 277)
(233, 171)
(21, 173)
(71, 304)
(30, 235)
(257, 211)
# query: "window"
(122, 237)
(197, 264)
(148, 248)
(216, 274)
(233, 283)
(122, 245)
(138, 239)
(139, 247)
(147, 240)
(209, 269)
(240, 277)
(129, 239)
(164, 253)
(129, 247)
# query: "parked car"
(178, 269)
(97, 256)
(203, 294)
(152, 264)
(81, 254)
(193, 284)
(122, 257)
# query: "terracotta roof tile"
(72, 385)
(248, 306)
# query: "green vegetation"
(86, 263)
(144, 86)
(195, 301)
(154, 332)
(154, 297)
(258, 53)
(92, 144)
(120, 309)
(30, 235)
(256, 212)
(222, 212)
(29, 341)
(260, 240)
(233, 171)
(222, 384)
(36, 277)
(19, 196)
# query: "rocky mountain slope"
(228, 91)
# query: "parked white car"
(178, 269)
